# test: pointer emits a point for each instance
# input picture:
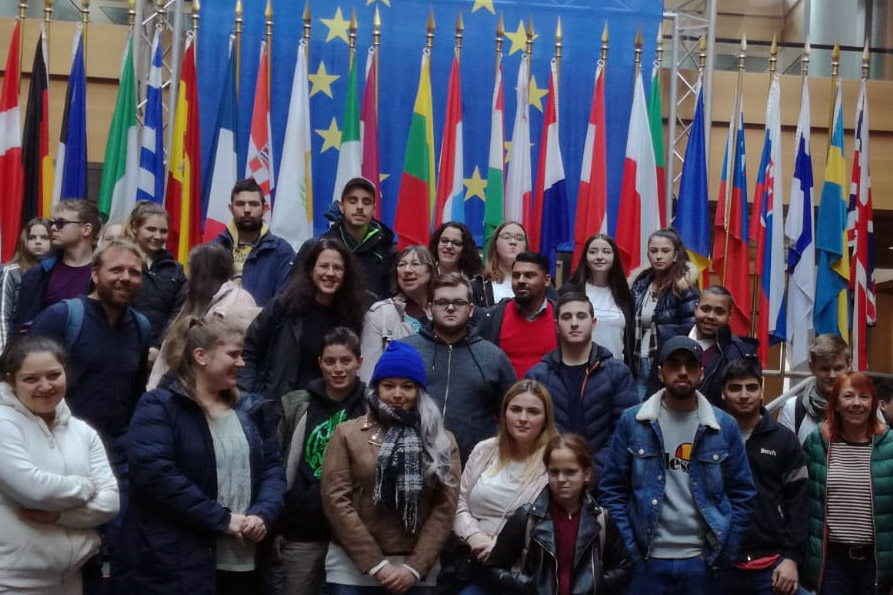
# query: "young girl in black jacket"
(563, 543)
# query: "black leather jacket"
(594, 572)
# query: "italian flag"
(656, 124)
(496, 164)
(350, 156)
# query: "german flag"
(36, 140)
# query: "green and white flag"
(350, 155)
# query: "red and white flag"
(519, 180)
(450, 203)
(259, 164)
(592, 198)
(12, 175)
(369, 128)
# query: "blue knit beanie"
(400, 360)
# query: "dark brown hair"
(469, 259)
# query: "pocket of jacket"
(711, 464)
(646, 465)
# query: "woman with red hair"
(850, 463)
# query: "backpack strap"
(799, 413)
(74, 321)
(145, 329)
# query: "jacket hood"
(471, 335)
(687, 281)
(596, 354)
(9, 399)
(651, 409)
(317, 389)
(234, 231)
(378, 234)
(540, 506)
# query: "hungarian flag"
(592, 198)
(861, 232)
(450, 204)
(259, 164)
(350, 155)
(184, 184)
(12, 177)
(496, 163)
(639, 215)
(221, 177)
(71, 156)
(549, 225)
(766, 231)
(656, 124)
(36, 157)
(151, 177)
(518, 185)
(293, 213)
(733, 268)
(415, 200)
(117, 190)
(369, 128)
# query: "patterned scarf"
(398, 470)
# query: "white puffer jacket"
(62, 467)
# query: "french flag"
(450, 203)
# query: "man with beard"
(677, 481)
(467, 376)
(262, 260)
(523, 327)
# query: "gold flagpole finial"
(835, 59)
(460, 32)
(773, 57)
(307, 18)
(702, 54)
(605, 39)
(376, 29)
(804, 60)
(659, 57)
(866, 60)
(160, 12)
(429, 30)
(742, 52)
(352, 31)
(131, 12)
(500, 34)
(196, 15)
(530, 33)
(638, 51)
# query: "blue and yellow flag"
(692, 220)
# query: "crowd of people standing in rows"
(350, 419)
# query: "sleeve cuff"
(377, 567)
(414, 572)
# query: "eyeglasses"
(449, 242)
(735, 387)
(60, 223)
(508, 237)
(443, 304)
(412, 266)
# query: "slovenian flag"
(450, 205)
(71, 156)
(150, 185)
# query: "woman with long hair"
(454, 250)
(33, 244)
(849, 459)
(283, 344)
(665, 294)
(403, 314)
(160, 295)
(504, 473)
(600, 276)
(206, 478)
(56, 484)
(390, 484)
(508, 241)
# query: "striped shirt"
(850, 517)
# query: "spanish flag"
(184, 183)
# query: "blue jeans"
(335, 589)
(682, 576)
(848, 577)
(474, 589)
(736, 581)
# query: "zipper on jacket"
(873, 521)
(553, 556)
(446, 394)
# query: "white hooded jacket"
(62, 467)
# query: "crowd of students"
(354, 420)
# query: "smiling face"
(854, 408)
(599, 257)
(218, 366)
(151, 236)
(529, 282)
(524, 419)
(399, 393)
(37, 242)
(575, 323)
(339, 365)
(328, 275)
(661, 253)
(712, 313)
(567, 477)
(743, 397)
(412, 273)
(39, 384)
(118, 278)
(449, 249)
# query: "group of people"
(355, 419)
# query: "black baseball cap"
(680, 343)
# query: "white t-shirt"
(610, 323)
(493, 494)
(502, 290)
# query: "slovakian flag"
(656, 124)
(12, 176)
(766, 227)
(36, 159)
(150, 185)
(350, 154)
(184, 184)
(733, 268)
(369, 128)
(259, 164)
(592, 197)
(861, 232)
(450, 203)
(798, 229)
(549, 220)
(221, 175)
(415, 200)
(833, 276)
(495, 191)
(692, 219)
(293, 212)
(117, 189)
(639, 215)
(518, 184)
(71, 156)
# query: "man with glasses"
(66, 272)
(467, 376)
(590, 388)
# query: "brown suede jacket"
(370, 533)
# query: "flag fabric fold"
(369, 128)
(350, 154)
(518, 183)
(259, 164)
(656, 124)
(861, 232)
(692, 219)
(150, 185)
(495, 191)
(450, 203)
(120, 170)
(184, 184)
(36, 159)
(833, 276)
(639, 215)
(71, 156)
(12, 176)
(592, 197)
(415, 200)
(221, 175)
(293, 212)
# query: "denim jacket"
(632, 485)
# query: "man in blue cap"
(677, 481)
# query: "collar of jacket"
(9, 399)
(596, 356)
(317, 388)
(650, 410)
(234, 232)
(470, 336)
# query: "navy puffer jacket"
(675, 305)
(162, 294)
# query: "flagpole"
(268, 22)
(835, 65)
(195, 16)
(559, 37)
(352, 38)
(307, 27)
(47, 18)
(500, 35)
(528, 46)
(23, 14)
(730, 180)
(638, 59)
(85, 19)
(131, 14)
(376, 43)
(460, 29)
(429, 32)
(238, 49)
(866, 63)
